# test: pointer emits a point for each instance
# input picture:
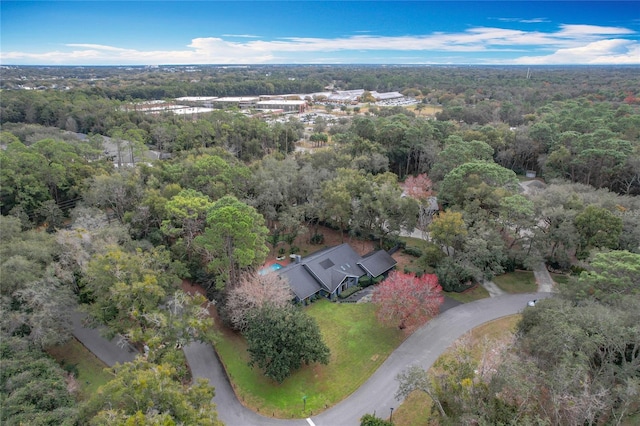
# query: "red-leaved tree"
(406, 300)
(418, 187)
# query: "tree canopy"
(407, 301)
(611, 278)
(33, 388)
(233, 239)
(252, 293)
(281, 340)
(126, 227)
(146, 393)
(477, 181)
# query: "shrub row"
(367, 281)
(348, 292)
(413, 251)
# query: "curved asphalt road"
(377, 394)
(108, 351)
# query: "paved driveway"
(108, 351)
(378, 393)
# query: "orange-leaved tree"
(406, 300)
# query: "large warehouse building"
(282, 104)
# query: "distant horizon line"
(317, 65)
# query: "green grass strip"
(358, 347)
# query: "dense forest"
(115, 242)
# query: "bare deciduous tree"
(255, 291)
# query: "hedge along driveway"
(358, 347)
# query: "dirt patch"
(404, 260)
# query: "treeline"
(159, 88)
(579, 129)
(586, 142)
(529, 87)
(120, 239)
(142, 83)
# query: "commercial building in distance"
(205, 101)
(282, 104)
(241, 102)
(354, 96)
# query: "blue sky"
(318, 32)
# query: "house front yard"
(358, 344)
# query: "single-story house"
(331, 271)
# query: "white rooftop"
(238, 99)
(387, 95)
(196, 98)
(192, 110)
(281, 102)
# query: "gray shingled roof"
(301, 282)
(328, 268)
(378, 263)
(332, 266)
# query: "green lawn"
(517, 282)
(409, 263)
(560, 278)
(414, 411)
(415, 242)
(90, 370)
(476, 293)
(358, 346)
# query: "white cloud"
(524, 21)
(215, 50)
(534, 20)
(572, 31)
(99, 47)
(569, 44)
(240, 35)
(602, 52)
